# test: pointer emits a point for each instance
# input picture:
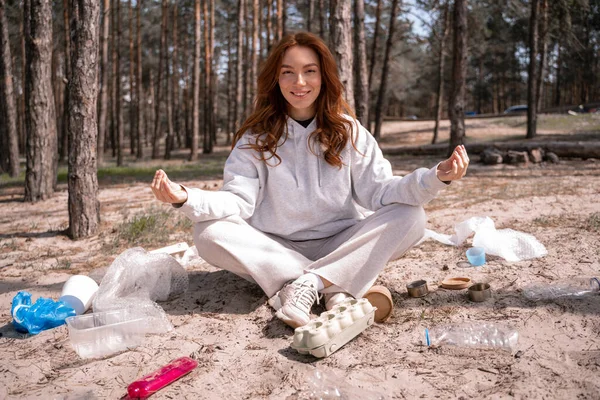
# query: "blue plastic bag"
(43, 314)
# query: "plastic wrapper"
(136, 280)
(506, 243)
(576, 287)
(328, 386)
(473, 334)
(41, 315)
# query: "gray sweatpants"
(351, 259)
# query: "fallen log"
(563, 149)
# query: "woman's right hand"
(167, 191)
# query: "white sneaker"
(333, 299)
(297, 300)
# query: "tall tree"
(456, 106)
(532, 77)
(196, 84)
(543, 37)
(63, 147)
(8, 96)
(341, 44)
(84, 207)
(269, 25)
(237, 112)
(373, 55)
(381, 99)
(132, 80)
(117, 109)
(360, 59)
(42, 146)
(279, 17)
(103, 98)
(207, 145)
(311, 15)
(159, 82)
(139, 98)
(169, 142)
(175, 78)
(254, 58)
(440, 71)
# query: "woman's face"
(300, 81)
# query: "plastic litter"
(41, 315)
(479, 334)
(136, 280)
(152, 383)
(327, 386)
(576, 287)
(506, 243)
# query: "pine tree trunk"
(196, 84)
(42, 146)
(322, 20)
(532, 78)
(175, 78)
(360, 58)
(103, 98)
(381, 99)
(254, 58)
(543, 34)
(246, 57)
(311, 15)
(8, 96)
(139, 98)
(456, 107)
(22, 112)
(132, 83)
(373, 56)
(230, 95)
(207, 142)
(237, 112)
(169, 142)
(213, 90)
(159, 82)
(341, 40)
(440, 75)
(279, 18)
(269, 25)
(64, 137)
(84, 207)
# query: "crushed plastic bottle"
(473, 334)
(573, 288)
(150, 384)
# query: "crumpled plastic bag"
(136, 280)
(506, 243)
(43, 314)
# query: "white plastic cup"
(79, 292)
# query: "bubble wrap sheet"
(136, 280)
(506, 243)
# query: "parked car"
(516, 109)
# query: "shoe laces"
(305, 295)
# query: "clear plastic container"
(473, 334)
(101, 334)
(575, 287)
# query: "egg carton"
(334, 328)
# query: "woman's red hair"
(268, 121)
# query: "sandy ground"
(244, 351)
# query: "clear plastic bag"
(136, 280)
(327, 386)
(506, 243)
(41, 315)
(473, 334)
(573, 288)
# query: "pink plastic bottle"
(160, 378)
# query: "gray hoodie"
(303, 197)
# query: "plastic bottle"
(472, 334)
(160, 378)
(573, 287)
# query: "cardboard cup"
(78, 292)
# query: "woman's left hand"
(454, 167)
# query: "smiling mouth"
(300, 94)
